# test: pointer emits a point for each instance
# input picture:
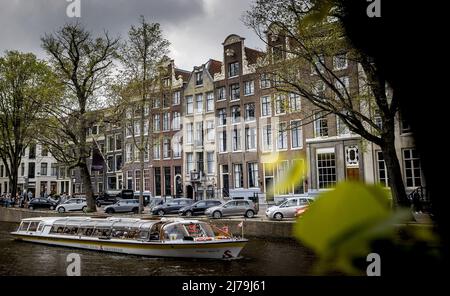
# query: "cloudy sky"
(195, 28)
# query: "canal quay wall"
(255, 227)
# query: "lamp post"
(195, 176)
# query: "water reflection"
(259, 257)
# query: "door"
(353, 174)
(289, 208)
(229, 208)
(199, 208)
(190, 191)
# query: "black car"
(199, 207)
(42, 203)
(172, 206)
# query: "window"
(200, 167)
(110, 163)
(267, 137)
(222, 117)
(340, 62)
(236, 139)
(319, 90)
(166, 148)
(31, 168)
(189, 162)
(209, 102)
(44, 166)
(249, 88)
(378, 120)
(176, 147)
(53, 168)
(238, 178)
(44, 151)
(118, 142)
(210, 162)
(137, 128)
(249, 112)
(342, 85)
(342, 127)
(235, 91)
(198, 78)
(129, 154)
(156, 122)
(156, 151)
(166, 82)
(383, 177)
(199, 133)
(252, 174)
(167, 181)
(176, 98)
(32, 151)
(146, 180)
(94, 130)
(156, 103)
(137, 180)
(283, 167)
(221, 93)
(118, 162)
(199, 103)
(277, 52)
(157, 181)
(250, 138)
(189, 105)
(233, 69)
(129, 180)
(166, 121)
(176, 121)
(266, 106)
(282, 136)
(319, 61)
(189, 133)
(326, 170)
(294, 102)
(320, 125)
(166, 101)
(265, 81)
(404, 126)
(137, 154)
(235, 114)
(210, 130)
(413, 171)
(145, 127)
(296, 134)
(223, 141)
(280, 103)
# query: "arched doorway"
(190, 191)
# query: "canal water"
(259, 258)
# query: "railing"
(420, 200)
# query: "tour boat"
(168, 237)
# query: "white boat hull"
(218, 249)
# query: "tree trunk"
(87, 184)
(394, 173)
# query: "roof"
(184, 74)
(252, 55)
(214, 67)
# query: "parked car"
(288, 208)
(123, 206)
(110, 197)
(233, 208)
(172, 206)
(199, 207)
(73, 204)
(42, 203)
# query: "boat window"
(24, 226)
(199, 230)
(57, 228)
(143, 234)
(85, 231)
(174, 232)
(33, 226)
(41, 225)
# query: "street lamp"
(195, 178)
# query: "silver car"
(233, 208)
(288, 208)
(123, 206)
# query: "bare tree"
(82, 63)
(142, 56)
(305, 43)
(26, 86)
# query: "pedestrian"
(45, 195)
(30, 195)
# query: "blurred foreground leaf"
(342, 223)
